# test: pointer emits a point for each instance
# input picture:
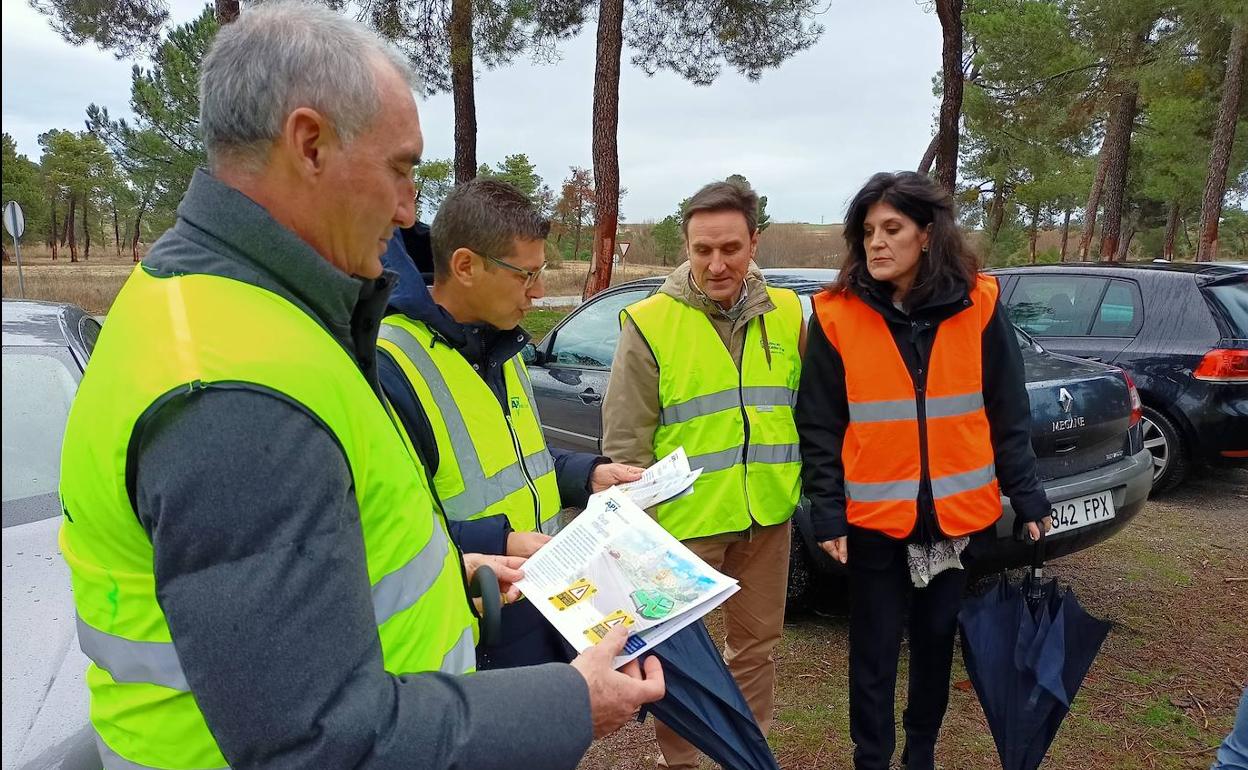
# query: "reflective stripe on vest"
(881, 451)
(734, 398)
(705, 402)
(172, 335)
(466, 492)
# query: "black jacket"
(822, 413)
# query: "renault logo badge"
(1066, 400)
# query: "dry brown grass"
(94, 284)
(569, 278)
(89, 285)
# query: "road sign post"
(15, 223)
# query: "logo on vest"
(775, 347)
(516, 402)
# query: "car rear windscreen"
(39, 385)
(1232, 298)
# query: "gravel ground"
(1162, 693)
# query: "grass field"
(568, 278)
(94, 284)
(1161, 695)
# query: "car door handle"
(588, 396)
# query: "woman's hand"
(837, 548)
(1033, 527)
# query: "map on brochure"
(613, 565)
(662, 481)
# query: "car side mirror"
(531, 355)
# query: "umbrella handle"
(1037, 568)
(485, 585)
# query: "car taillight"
(1221, 365)
(1137, 406)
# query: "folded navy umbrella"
(1027, 649)
(704, 705)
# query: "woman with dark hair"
(913, 416)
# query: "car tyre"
(801, 577)
(1164, 442)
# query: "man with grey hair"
(259, 574)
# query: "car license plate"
(1081, 511)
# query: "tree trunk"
(1172, 231)
(65, 224)
(605, 144)
(116, 229)
(226, 10)
(950, 14)
(70, 226)
(1094, 203)
(1065, 234)
(1187, 237)
(1118, 147)
(1035, 232)
(52, 240)
(929, 155)
(1132, 229)
(462, 89)
(134, 242)
(996, 211)
(138, 219)
(86, 229)
(1223, 140)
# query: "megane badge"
(1066, 400)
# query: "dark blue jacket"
(483, 345)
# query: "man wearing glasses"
(450, 364)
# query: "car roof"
(1208, 270)
(803, 280)
(29, 323)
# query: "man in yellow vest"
(259, 571)
(449, 362)
(711, 363)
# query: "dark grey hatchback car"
(1180, 330)
(1085, 426)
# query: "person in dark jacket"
(913, 418)
(488, 343)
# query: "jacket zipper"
(920, 402)
(928, 526)
(745, 446)
(528, 480)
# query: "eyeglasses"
(530, 276)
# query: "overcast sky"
(807, 135)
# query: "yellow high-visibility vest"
(168, 335)
(736, 425)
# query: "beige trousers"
(753, 618)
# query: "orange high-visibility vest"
(883, 459)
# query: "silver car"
(46, 347)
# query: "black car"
(1179, 329)
(46, 347)
(1085, 429)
